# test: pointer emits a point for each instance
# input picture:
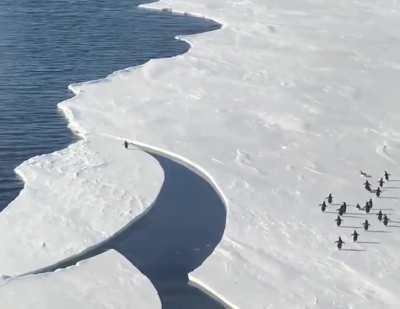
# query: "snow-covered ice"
(73, 199)
(106, 281)
(284, 104)
(288, 101)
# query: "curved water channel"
(46, 45)
(182, 228)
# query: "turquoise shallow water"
(46, 45)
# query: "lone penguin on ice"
(355, 235)
(370, 203)
(378, 192)
(387, 175)
(330, 198)
(339, 243)
(380, 215)
(323, 206)
(385, 220)
(126, 144)
(338, 221)
(366, 225)
(358, 206)
(381, 182)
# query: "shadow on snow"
(355, 250)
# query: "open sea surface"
(47, 45)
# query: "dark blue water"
(181, 230)
(46, 45)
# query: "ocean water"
(47, 45)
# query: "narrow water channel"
(183, 227)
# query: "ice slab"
(74, 199)
(105, 281)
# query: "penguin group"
(341, 211)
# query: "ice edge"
(81, 134)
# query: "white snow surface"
(74, 199)
(106, 281)
(284, 104)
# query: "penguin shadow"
(348, 214)
(396, 226)
(376, 213)
(354, 250)
(348, 205)
(378, 231)
(331, 212)
(349, 227)
(353, 217)
(391, 188)
(352, 205)
(355, 213)
(369, 242)
(132, 148)
(390, 197)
